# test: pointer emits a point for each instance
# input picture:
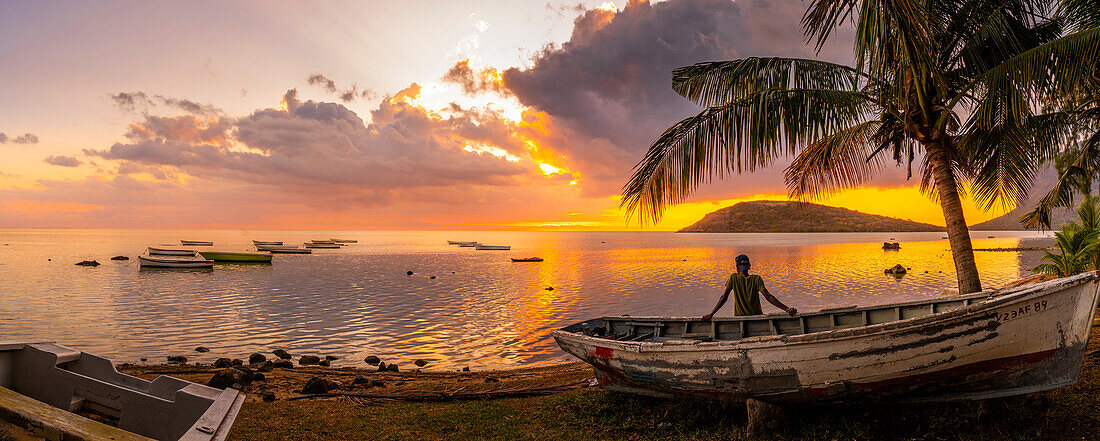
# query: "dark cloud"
(134, 101)
(346, 95)
(63, 161)
(611, 82)
(473, 82)
(26, 138)
(187, 128)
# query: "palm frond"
(736, 137)
(844, 159)
(1085, 166)
(1050, 71)
(1080, 14)
(721, 82)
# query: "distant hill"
(1011, 220)
(1044, 181)
(792, 217)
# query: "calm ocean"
(481, 310)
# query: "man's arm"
(774, 301)
(721, 301)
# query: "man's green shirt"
(746, 293)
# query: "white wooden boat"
(45, 387)
(236, 256)
(344, 241)
(288, 250)
(171, 251)
(199, 243)
(276, 247)
(154, 261)
(322, 245)
(260, 242)
(492, 247)
(986, 345)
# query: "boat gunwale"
(994, 299)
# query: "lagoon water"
(481, 310)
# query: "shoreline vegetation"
(556, 402)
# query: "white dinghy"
(192, 261)
(492, 247)
(45, 387)
(993, 344)
(171, 251)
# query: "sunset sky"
(370, 114)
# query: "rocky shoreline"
(266, 381)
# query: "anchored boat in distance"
(986, 345)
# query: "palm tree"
(949, 84)
(1075, 246)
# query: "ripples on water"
(482, 310)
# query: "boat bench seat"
(165, 409)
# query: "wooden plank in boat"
(54, 423)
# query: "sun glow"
(495, 151)
(548, 169)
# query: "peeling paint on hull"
(1024, 340)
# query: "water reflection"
(480, 310)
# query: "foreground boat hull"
(1027, 340)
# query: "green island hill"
(799, 217)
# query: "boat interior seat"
(164, 409)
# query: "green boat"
(227, 256)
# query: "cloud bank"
(592, 106)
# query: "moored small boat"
(288, 250)
(527, 259)
(324, 241)
(344, 241)
(322, 245)
(461, 244)
(261, 242)
(233, 256)
(154, 261)
(171, 251)
(196, 243)
(45, 387)
(492, 247)
(1014, 341)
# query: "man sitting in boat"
(746, 292)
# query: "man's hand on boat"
(747, 290)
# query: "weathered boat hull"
(272, 243)
(1029, 339)
(200, 243)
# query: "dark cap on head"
(742, 262)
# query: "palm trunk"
(957, 232)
